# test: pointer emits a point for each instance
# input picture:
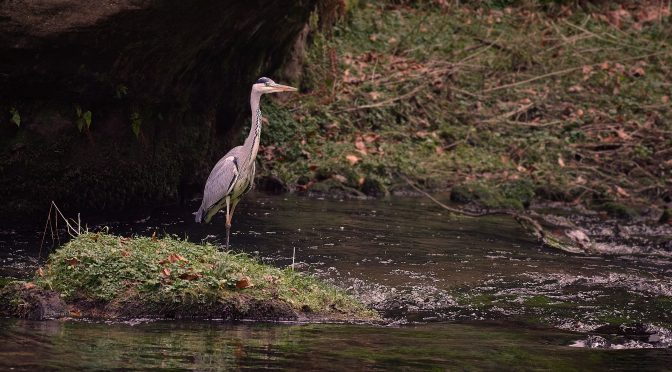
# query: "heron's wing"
(221, 181)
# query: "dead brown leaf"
(339, 178)
(360, 145)
(244, 282)
(352, 159)
(190, 276)
(174, 257)
(621, 192)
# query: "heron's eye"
(267, 84)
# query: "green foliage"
(121, 91)
(102, 267)
(83, 118)
(14, 116)
(136, 123)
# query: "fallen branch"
(578, 244)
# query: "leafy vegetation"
(574, 100)
(151, 273)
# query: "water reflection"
(218, 346)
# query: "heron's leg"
(228, 221)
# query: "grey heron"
(233, 175)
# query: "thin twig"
(386, 102)
(562, 72)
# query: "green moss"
(159, 272)
(5, 281)
(618, 210)
(516, 195)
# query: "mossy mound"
(106, 276)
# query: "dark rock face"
(165, 85)
(22, 300)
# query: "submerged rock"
(26, 300)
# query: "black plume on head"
(264, 80)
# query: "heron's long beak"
(283, 88)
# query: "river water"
(467, 293)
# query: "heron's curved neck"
(251, 145)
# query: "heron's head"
(266, 85)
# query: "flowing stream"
(468, 293)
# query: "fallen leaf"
(374, 95)
(29, 285)
(360, 181)
(575, 89)
(637, 71)
(521, 169)
(439, 150)
(154, 236)
(665, 99)
(620, 191)
(165, 272)
(561, 162)
(40, 272)
(360, 145)
(339, 178)
(623, 135)
(75, 313)
(125, 253)
(352, 159)
(392, 40)
(72, 261)
(244, 282)
(174, 257)
(371, 137)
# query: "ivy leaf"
(15, 117)
(136, 122)
(87, 118)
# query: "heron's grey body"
(233, 175)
